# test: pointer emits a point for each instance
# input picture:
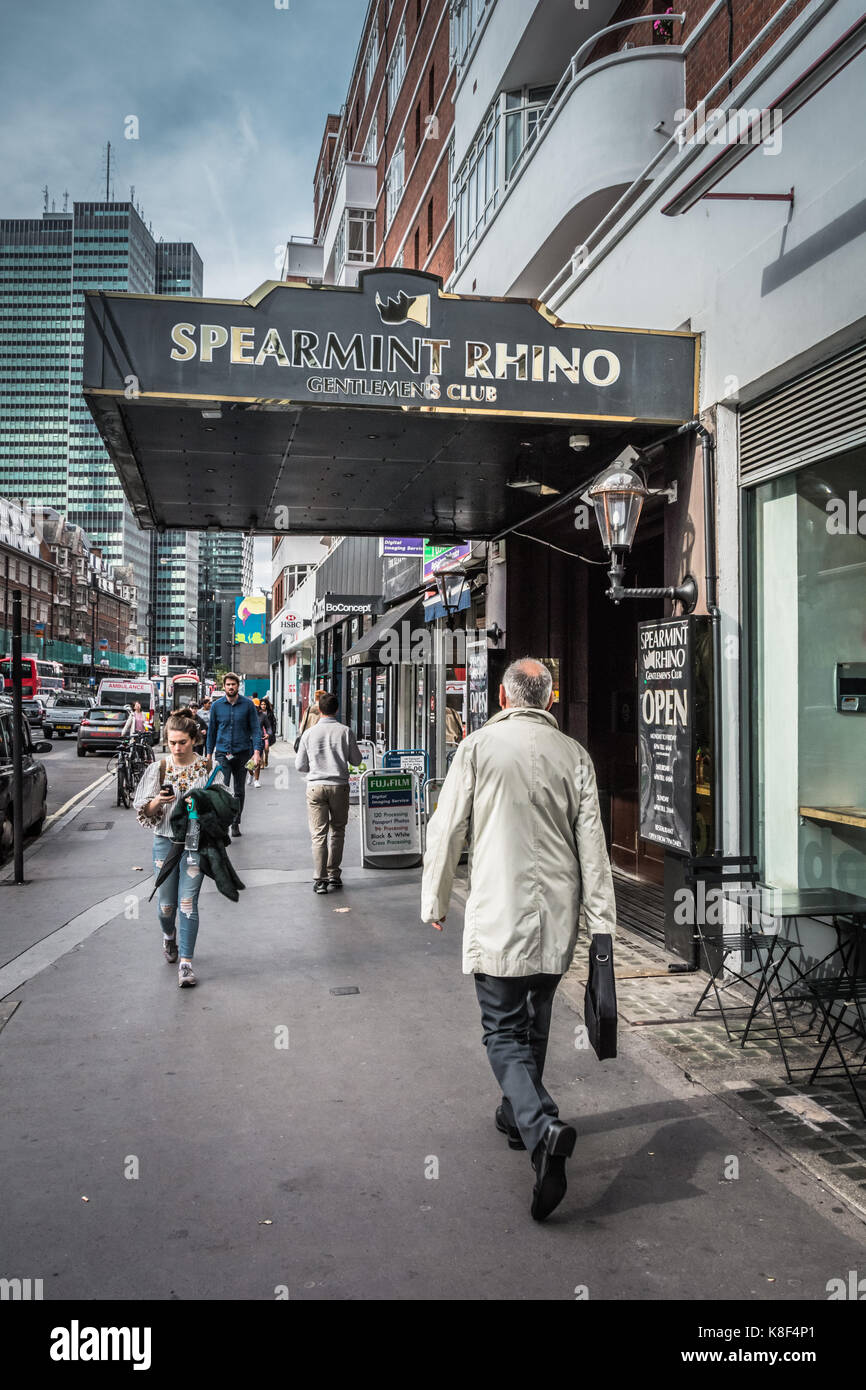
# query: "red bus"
(39, 676)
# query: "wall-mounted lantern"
(618, 495)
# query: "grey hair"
(528, 683)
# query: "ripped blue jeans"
(181, 888)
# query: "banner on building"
(401, 545)
(437, 558)
(250, 619)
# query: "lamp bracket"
(685, 593)
(670, 492)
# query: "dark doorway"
(612, 689)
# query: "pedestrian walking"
(453, 726)
(201, 736)
(527, 794)
(312, 715)
(324, 754)
(163, 786)
(269, 733)
(234, 735)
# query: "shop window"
(808, 597)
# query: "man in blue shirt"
(234, 735)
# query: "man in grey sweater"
(324, 754)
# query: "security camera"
(578, 442)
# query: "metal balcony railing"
(537, 120)
(577, 63)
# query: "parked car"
(64, 714)
(35, 779)
(101, 729)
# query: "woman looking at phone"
(156, 796)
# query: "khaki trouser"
(327, 812)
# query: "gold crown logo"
(404, 308)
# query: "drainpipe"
(708, 455)
(712, 591)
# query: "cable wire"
(575, 555)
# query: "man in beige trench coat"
(537, 854)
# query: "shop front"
(396, 410)
(803, 479)
(340, 620)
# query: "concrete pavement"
(262, 1133)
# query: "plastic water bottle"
(193, 835)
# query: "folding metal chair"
(846, 992)
(734, 880)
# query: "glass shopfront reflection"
(807, 588)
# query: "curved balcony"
(511, 43)
(602, 125)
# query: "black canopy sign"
(394, 342)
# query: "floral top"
(181, 779)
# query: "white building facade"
(601, 184)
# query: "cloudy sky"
(231, 98)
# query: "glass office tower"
(50, 450)
(220, 568)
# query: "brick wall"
(430, 114)
(726, 37)
(731, 34)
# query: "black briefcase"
(599, 1001)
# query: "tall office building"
(50, 450)
(220, 582)
(179, 269)
(221, 560)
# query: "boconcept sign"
(396, 341)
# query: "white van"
(116, 692)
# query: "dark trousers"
(515, 1016)
(234, 766)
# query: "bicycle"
(133, 756)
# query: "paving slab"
(262, 1133)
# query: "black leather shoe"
(335, 883)
(236, 830)
(548, 1160)
(319, 885)
(511, 1131)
